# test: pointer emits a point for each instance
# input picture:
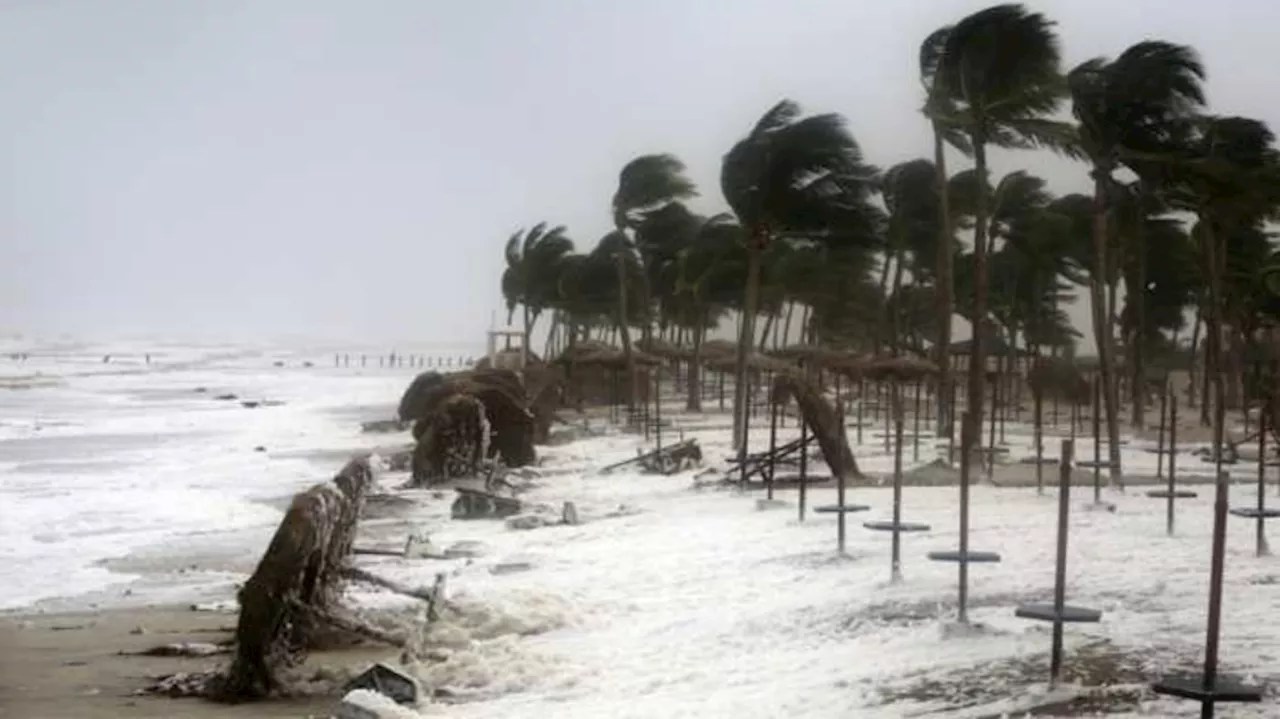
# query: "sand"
(59, 666)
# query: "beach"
(138, 497)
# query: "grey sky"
(336, 168)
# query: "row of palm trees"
(873, 260)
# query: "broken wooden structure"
(664, 460)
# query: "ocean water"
(100, 460)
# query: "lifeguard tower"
(502, 353)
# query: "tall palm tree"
(530, 277)
(792, 174)
(911, 199)
(998, 72)
(646, 184)
(1129, 110)
(707, 271)
(1230, 178)
(942, 110)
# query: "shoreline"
(75, 664)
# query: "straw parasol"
(899, 369)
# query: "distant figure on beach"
(106, 359)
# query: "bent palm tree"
(533, 257)
(1130, 112)
(647, 183)
(792, 174)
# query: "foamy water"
(101, 459)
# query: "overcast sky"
(351, 168)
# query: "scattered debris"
(475, 504)
(366, 704)
(667, 460)
(385, 426)
(388, 681)
(183, 649)
(227, 397)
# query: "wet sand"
(57, 666)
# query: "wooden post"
(657, 408)
(1060, 569)
(883, 391)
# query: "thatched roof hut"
(899, 369)
(599, 354)
(716, 348)
(505, 400)
(756, 362)
(1052, 377)
(659, 347)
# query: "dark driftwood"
(679, 455)
(822, 419)
(296, 585)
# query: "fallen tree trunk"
(826, 424)
(295, 586)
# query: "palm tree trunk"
(524, 344)
(1102, 325)
(786, 328)
(1213, 337)
(625, 333)
(883, 325)
(745, 344)
(1140, 305)
(978, 357)
(805, 314)
(694, 402)
(548, 346)
(768, 325)
(894, 330)
(944, 291)
(1195, 345)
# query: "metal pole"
(862, 401)
(1213, 630)
(657, 409)
(1060, 569)
(1261, 539)
(915, 431)
(773, 445)
(1037, 399)
(804, 461)
(1097, 443)
(1164, 401)
(896, 555)
(1173, 458)
(967, 435)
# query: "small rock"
(138, 630)
(227, 397)
(259, 448)
(250, 404)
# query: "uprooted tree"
(822, 419)
(291, 602)
(464, 418)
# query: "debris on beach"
(664, 460)
(384, 426)
(464, 418)
(291, 602)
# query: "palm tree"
(996, 76)
(708, 271)
(912, 202)
(792, 174)
(1230, 178)
(530, 277)
(943, 112)
(646, 184)
(1129, 112)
